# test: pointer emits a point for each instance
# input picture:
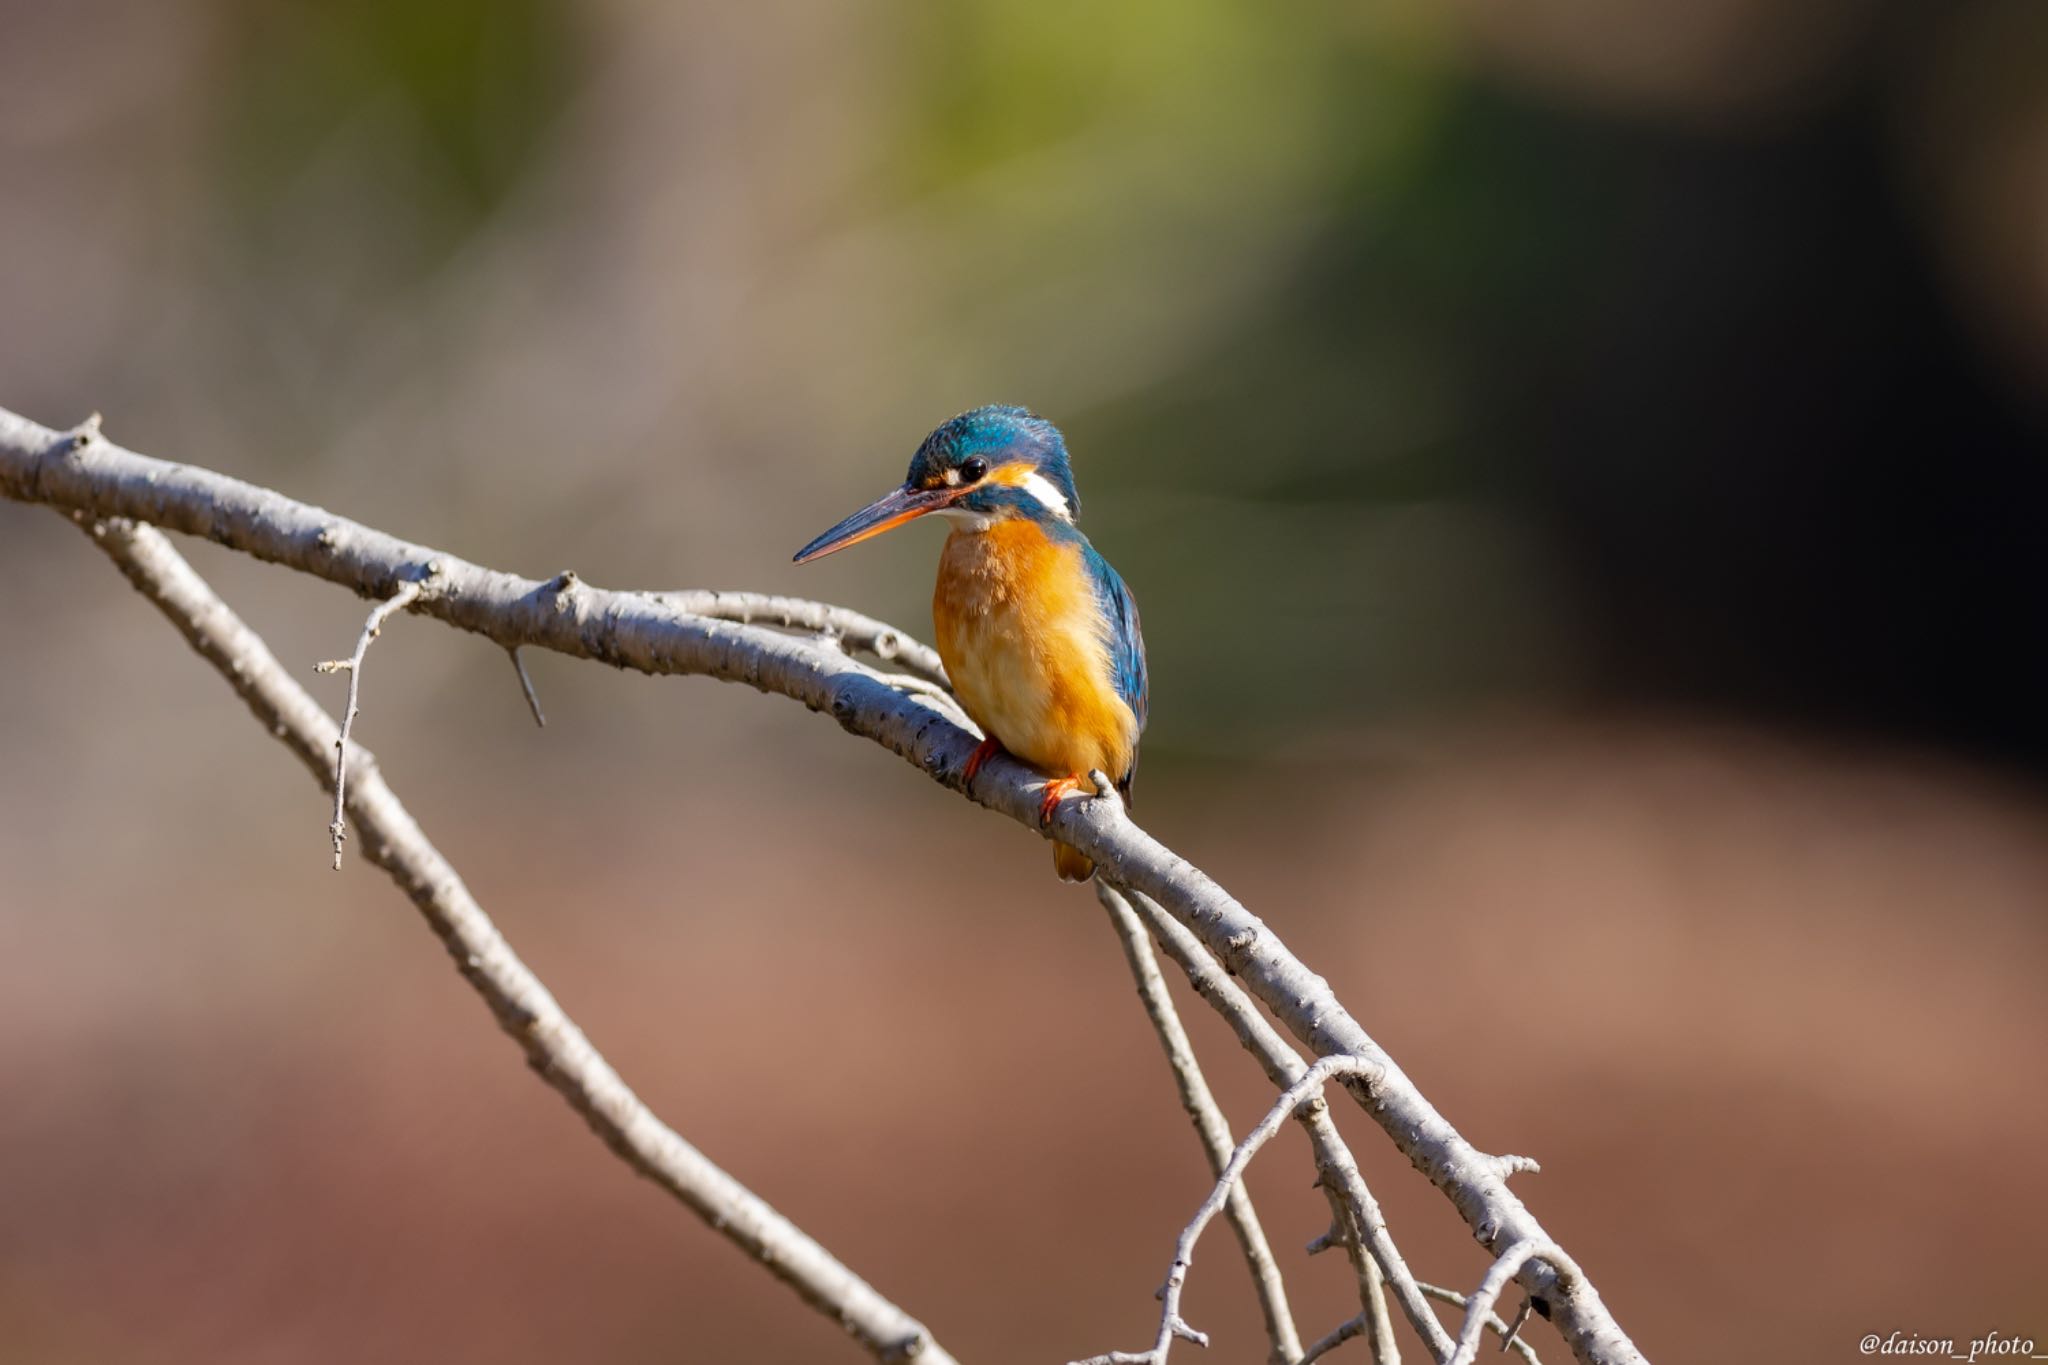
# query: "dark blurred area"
(1582, 464)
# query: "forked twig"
(1171, 1324)
(1479, 1307)
(1507, 1331)
(1210, 1125)
(1358, 1324)
(1350, 1199)
(353, 666)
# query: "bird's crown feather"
(997, 434)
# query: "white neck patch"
(1048, 494)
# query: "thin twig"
(1372, 1289)
(353, 666)
(1210, 1125)
(939, 697)
(632, 630)
(1365, 1267)
(1507, 1331)
(555, 1047)
(1350, 1199)
(526, 686)
(1347, 1222)
(1353, 1326)
(1171, 1324)
(850, 628)
(1479, 1307)
(1513, 1335)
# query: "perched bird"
(1038, 634)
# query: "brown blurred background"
(1582, 463)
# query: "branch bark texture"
(85, 472)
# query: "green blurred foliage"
(1000, 80)
(466, 88)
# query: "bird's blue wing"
(1126, 638)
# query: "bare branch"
(1505, 1330)
(524, 1008)
(1304, 1091)
(353, 666)
(1210, 1125)
(637, 631)
(1352, 1206)
(526, 687)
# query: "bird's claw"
(983, 752)
(1058, 787)
(1054, 790)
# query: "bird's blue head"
(979, 468)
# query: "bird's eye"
(973, 468)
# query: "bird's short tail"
(1071, 863)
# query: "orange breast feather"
(1017, 624)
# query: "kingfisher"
(1039, 635)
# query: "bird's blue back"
(1126, 637)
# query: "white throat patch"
(965, 518)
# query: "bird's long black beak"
(884, 513)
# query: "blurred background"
(1582, 465)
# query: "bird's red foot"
(1054, 790)
(983, 752)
